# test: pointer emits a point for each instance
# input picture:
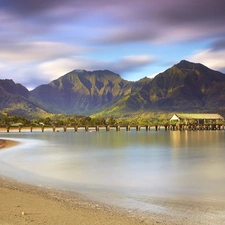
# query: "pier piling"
(138, 128)
(65, 128)
(86, 128)
(7, 129)
(167, 127)
(147, 128)
(107, 128)
(128, 128)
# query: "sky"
(43, 40)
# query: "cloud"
(185, 12)
(42, 40)
(31, 75)
(212, 59)
(26, 8)
(166, 21)
(134, 20)
(24, 74)
(218, 45)
(130, 63)
(36, 51)
(59, 67)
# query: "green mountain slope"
(188, 86)
(14, 99)
(185, 87)
(82, 92)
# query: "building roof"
(190, 116)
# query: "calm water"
(155, 171)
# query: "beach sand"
(27, 204)
(7, 143)
(23, 204)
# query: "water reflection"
(144, 165)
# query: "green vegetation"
(186, 87)
(68, 120)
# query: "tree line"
(60, 120)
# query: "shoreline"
(5, 143)
(23, 203)
(28, 204)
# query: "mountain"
(185, 87)
(188, 87)
(15, 99)
(83, 92)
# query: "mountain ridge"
(186, 86)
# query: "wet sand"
(27, 204)
(7, 143)
(23, 204)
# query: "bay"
(165, 172)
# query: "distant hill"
(16, 99)
(185, 87)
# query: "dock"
(96, 128)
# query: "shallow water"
(161, 172)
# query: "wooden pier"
(96, 128)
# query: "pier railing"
(93, 128)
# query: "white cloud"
(212, 59)
(130, 63)
(55, 68)
(59, 67)
(37, 51)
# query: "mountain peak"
(79, 71)
(97, 73)
(184, 64)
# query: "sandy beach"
(7, 143)
(27, 204)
